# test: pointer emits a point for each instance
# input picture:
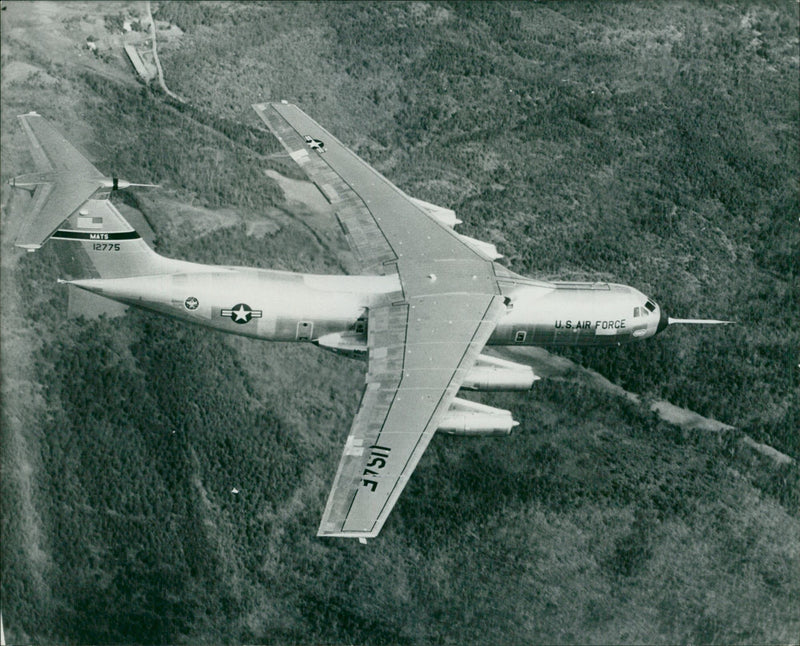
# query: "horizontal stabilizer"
(64, 180)
(53, 202)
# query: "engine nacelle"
(446, 216)
(491, 373)
(347, 344)
(471, 418)
(486, 249)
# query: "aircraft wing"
(422, 340)
(381, 223)
(419, 353)
(66, 179)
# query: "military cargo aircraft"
(427, 303)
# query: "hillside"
(649, 144)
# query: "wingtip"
(28, 246)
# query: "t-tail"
(63, 181)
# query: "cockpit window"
(635, 312)
(650, 305)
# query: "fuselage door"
(305, 330)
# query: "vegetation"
(653, 145)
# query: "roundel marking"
(191, 303)
(241, 313)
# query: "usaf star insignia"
(241, 313)
(315, 144)
(191, 303)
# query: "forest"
(649, 144)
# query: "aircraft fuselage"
(285, 306)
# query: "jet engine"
(471, 418)
(491, 373)
(487, 249)
(446, 216)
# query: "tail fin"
(97, 242)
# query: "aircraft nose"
(663, 321)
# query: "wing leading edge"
(422, 340)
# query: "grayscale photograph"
(400, 323)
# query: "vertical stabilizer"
(97, 242)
